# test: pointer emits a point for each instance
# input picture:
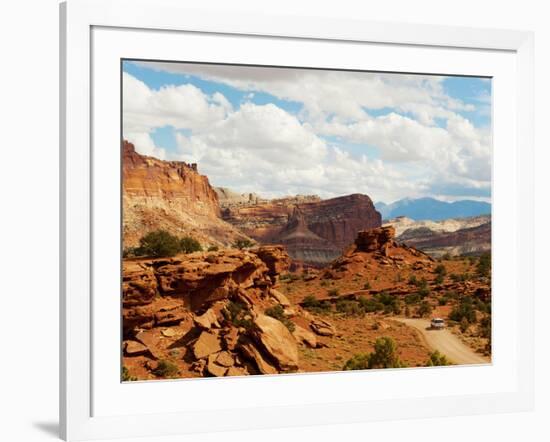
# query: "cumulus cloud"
(263, 148)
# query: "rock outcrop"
(314, 231)
(375, 250)
(210, 307)
(169, 195)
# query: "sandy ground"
(445, 342)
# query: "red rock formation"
(376, 250)
(314, 234)
(169, 195)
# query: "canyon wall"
(169, 195)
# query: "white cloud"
(263, 148)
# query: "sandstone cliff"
(315, 231)
(169, 195)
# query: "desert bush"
(125, 375)
(446, 257)
(278, 312)
(189, 245)
(439, 279)
(423, 292)
(485, 327)
(213, 249)
(349, 308)
(413, 298)
(312, 304)
(237, 313)
(366, 286)
(483, 267)
(323, 283)
(464, 309)
(437, 359)
(440, 270)
(370, 305)
(464, 325)
(359, 361)
(424, 309)
(413, 280)
(166, 369)
(243, 244)
(385, 354)
(443, 300)
(158, 243)
(333, 293)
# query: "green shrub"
(237, 313)
(483, 267)
(439, 279)
(443, 300)
(440, 270)
(349, 308)
(166, 369)
(189, 245)
(243, 244)
(278, 312)
(359, 361)
(333, 293)
(464, 310)
(424, 309)
(385, 354)
(157, 244)
(125, 375)
(366, 286)
(370, 305)
(412, 298)
(413, 280)
(423, 292)
(311, 303)
(437, 359)
(213, 248)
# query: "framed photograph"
(309, 221)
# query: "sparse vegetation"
(159, 243)
(243, 243)
(166, 369)
(278, 313)
(424, 309)
(464, 309)
(483, 267)
(440, 270)
(237, 313)
(384, 356)
(213, 248)
(312, 304)
(437, 359)
(125, 375)
(333, 293)
(366, 286)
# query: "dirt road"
(447, 343)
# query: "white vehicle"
(437, 324)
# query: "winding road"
(447, 343)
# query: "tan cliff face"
(169, 195)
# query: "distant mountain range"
(432, 209)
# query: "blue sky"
(398, 135)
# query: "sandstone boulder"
(206, 344)
(375, 239)
(279, 297)
(277, 341)
(134, 348)
(250, 352)
(305, 336)
(322, 327)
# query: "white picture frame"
(85, 392)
